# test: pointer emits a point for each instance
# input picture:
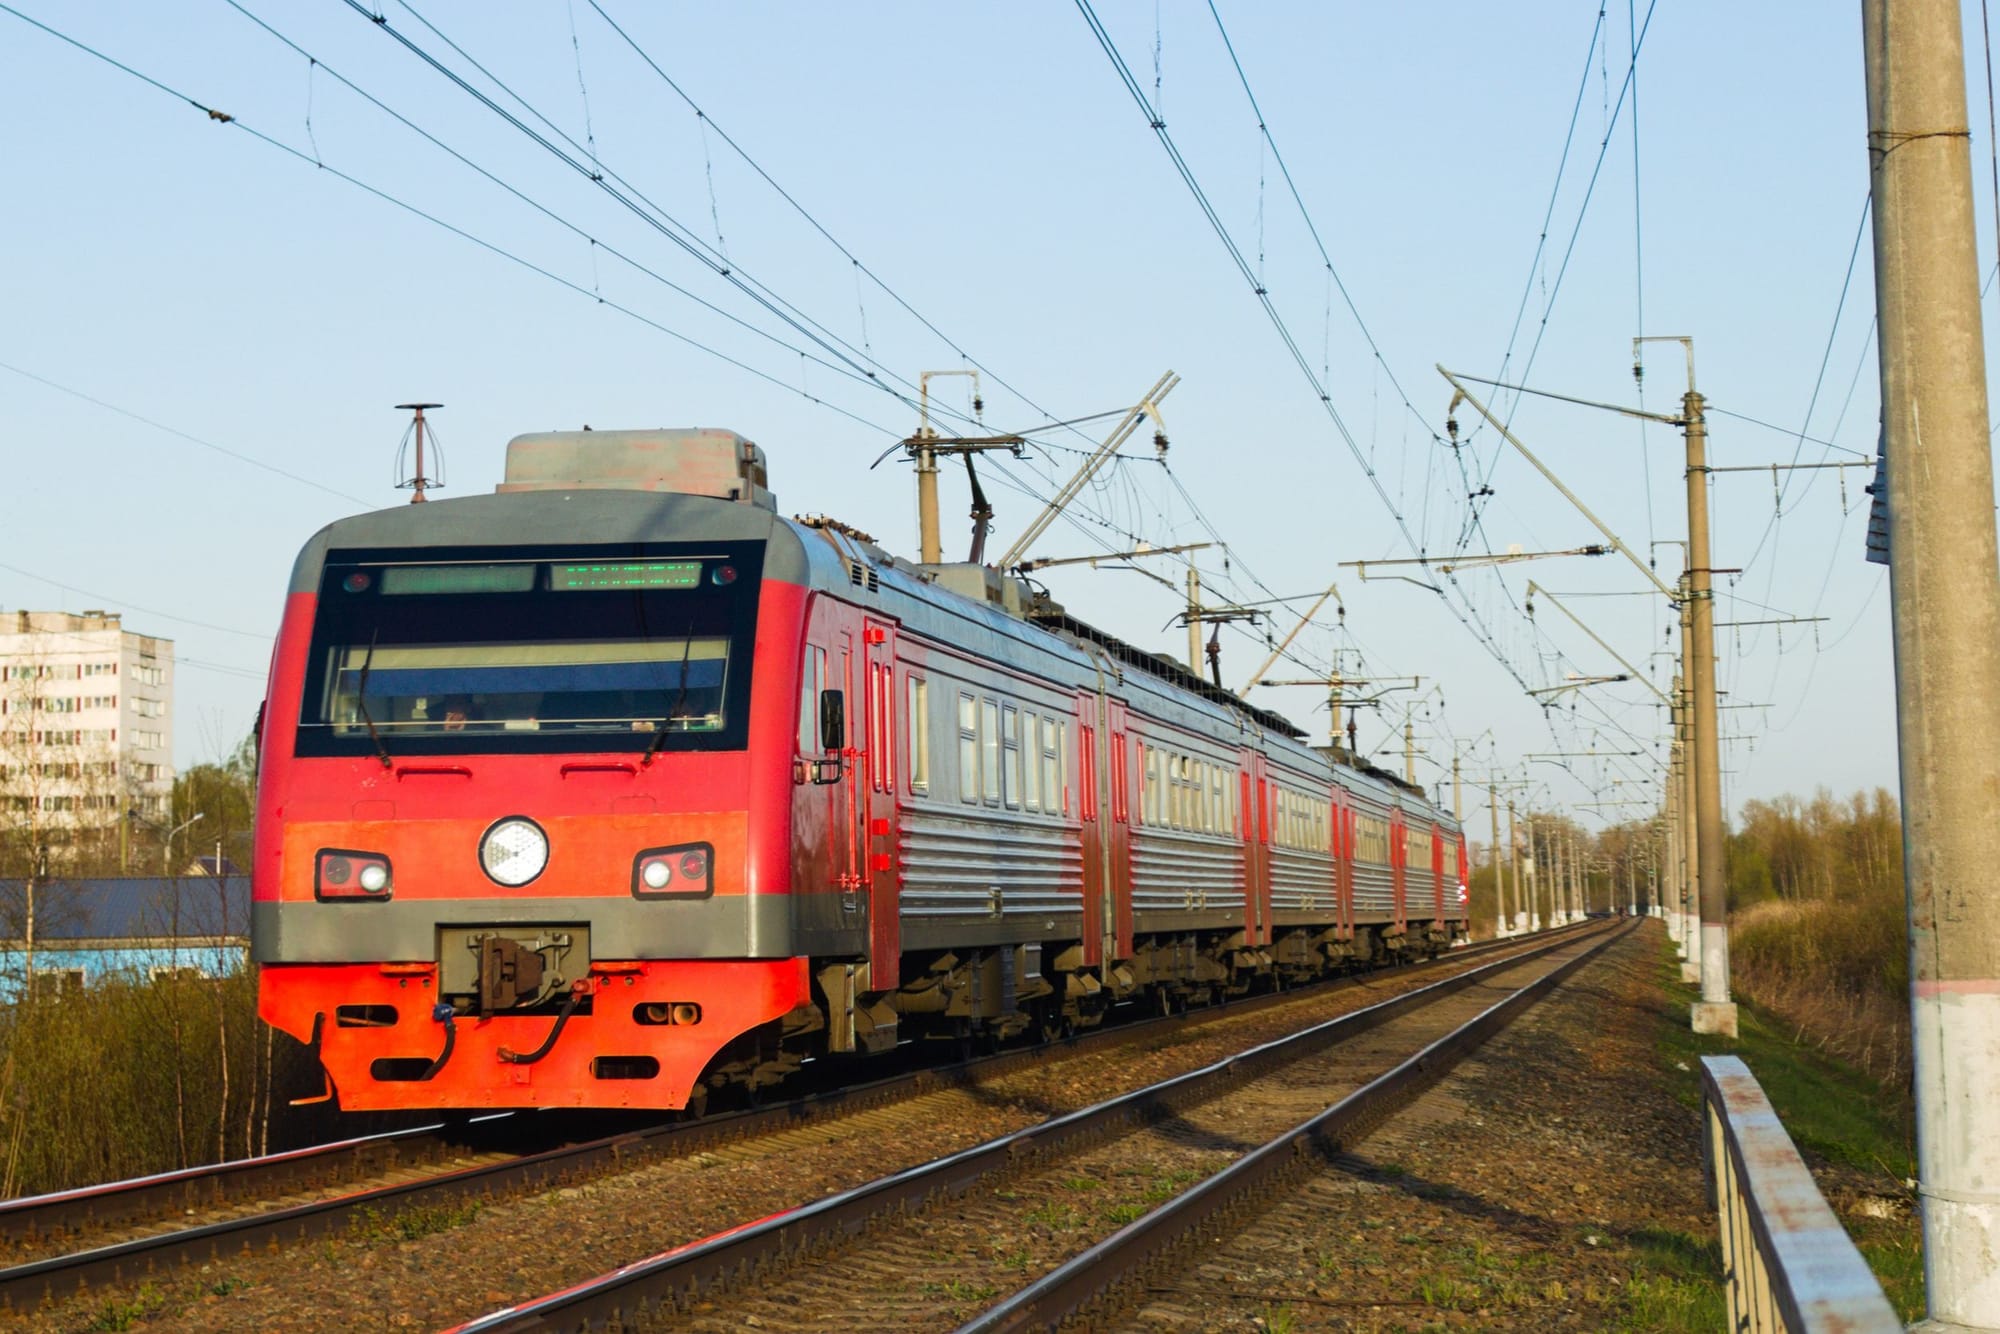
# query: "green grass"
(1056, 1215)
(117, 1315)
(1831, 1110)
(421, 1220)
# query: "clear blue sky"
(987, 164)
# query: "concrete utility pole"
(1714, 1012)
(1552, 860)
(1499, 897)
(925, 447)
(1578, 886)
(1514, 876)
(1533, 900)
(1409, 750)
(1945, 606)
(1690, 844)
(1194, 618)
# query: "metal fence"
(1787, 1262)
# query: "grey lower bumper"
(729, 927)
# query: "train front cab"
(499, 863)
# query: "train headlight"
(341, 875)
(514, 851)
(684, 871)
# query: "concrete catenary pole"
(1945, 607)
(1579, 887)
(1534, 899)
(1690, 835)
(1194, 618)
(1714, 1012)
(1669, 858)
(1499, 898)
(1514, 874)
(1558, 886)
(1670, 833)
(1552, 862)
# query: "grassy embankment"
(1852, 1129)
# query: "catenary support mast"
(1945, 607)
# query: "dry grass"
(126, 1078)
(1837, 971)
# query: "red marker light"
(357, 582)
(336, 870)
(722, 574)
(694, 865)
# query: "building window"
(187, 972)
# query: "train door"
(1399, 858)
(845, 804)
(1437, 873)
(1118, 773)
(1257, 893)
(1342, 846)
(1252, 830)
(878, 836)
(1096, 877)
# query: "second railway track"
(142, 1230)
(956, 1232)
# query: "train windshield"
(511, 652)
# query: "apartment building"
(86, 719)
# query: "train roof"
(670, 485)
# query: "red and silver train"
(615, 788)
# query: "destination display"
(611, 576)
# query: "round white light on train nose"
(374, 877)
(514, 851)
(656, 873)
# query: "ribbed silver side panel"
(1374, 889)
(1176, 872)
(1301, 880)
(987, 867)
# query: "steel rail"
(659, 1284)
(118, 1203)
(27, 1286)
(1099, 1275)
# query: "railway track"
(1233, 1126)
(147, 1226)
